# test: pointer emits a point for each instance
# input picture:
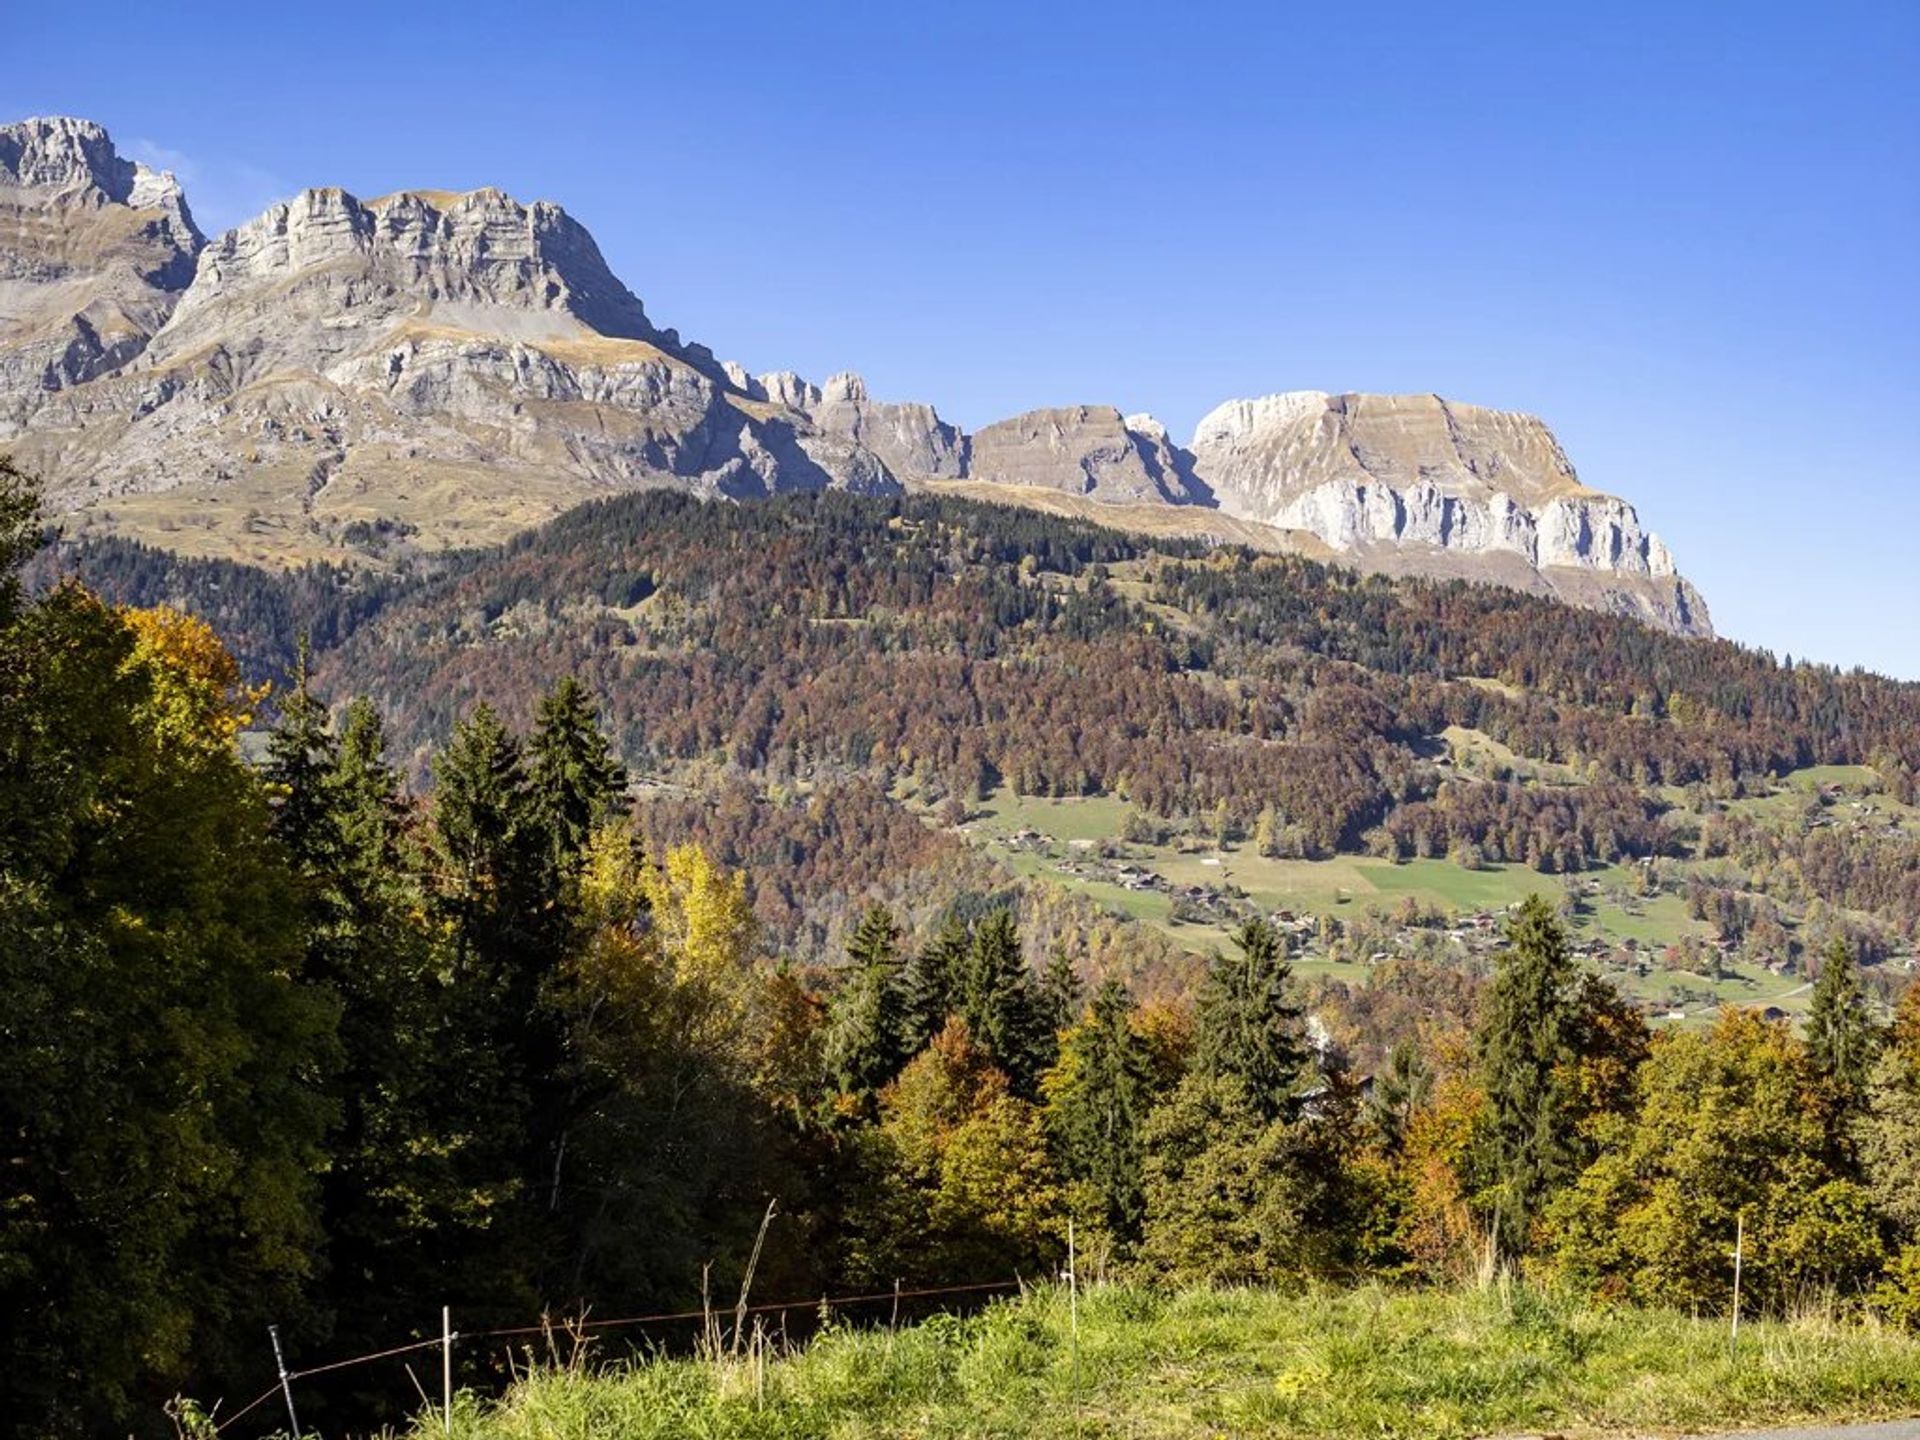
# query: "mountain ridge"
(434, 368)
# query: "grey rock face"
(909, 438)
(97, 252)
(1084, 450)
(1365, 471)
(351, 360)
(468, 365)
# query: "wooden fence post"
(286, 1381)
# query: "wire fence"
(283, 1383)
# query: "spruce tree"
(1523, 1048)
(377, 854)
(499, 894)
(495, 882)
(1097, 1101)
(577, 783)
(398, 1196)
(1061, 993)
(300, 760)
(1247, 1025)
(930, 985)
(865, 1030)
(1840, 1033)
(999, 1001)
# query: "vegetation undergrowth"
(1324, 1362)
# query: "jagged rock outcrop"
(1084, 450)
(909, 438)
(97, 251)
(1369, 474)
(457, 365)
(451, 367)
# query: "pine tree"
(1097, 1100)
(1247, 1025)
(499, 894)
(495, 881)
(1061, 992)
(300, 760)
(577, 783)
(930, 985)
(371, 807)
(865, 1031)
(1840, 1033)
(1524, 1048)
(999, 1002)
(1398, 1091)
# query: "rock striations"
(1390, 480)
(95, 254)
(432, 368)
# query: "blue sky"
(1688, 235)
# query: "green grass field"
(1343, 885)
(1152, 1366)
(1346, 886)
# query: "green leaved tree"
(930, 985)
(1097, 1097)
(1841, 1037)
(865, 1029)
(1001, 1004)
(1248, 1025)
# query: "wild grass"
(1498, 1360)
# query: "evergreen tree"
(577, 783)
(377, 850)
(300, 760)
(1061, 994)
(1398, 1091)
(865, 1030)
(930, 985)
(1840, 1033)
(1096, 1102)
(496, 883)
(999, 1001)
(1248, 1027)
(498, 892)
(1524, 1048)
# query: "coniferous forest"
(517, 929)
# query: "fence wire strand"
(575, 1326)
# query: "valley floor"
(1501, 1361)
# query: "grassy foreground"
(1369, 1362)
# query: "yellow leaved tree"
(196, 697)
(701, 915)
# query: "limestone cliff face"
(1088, 450)
(97, 251)
(909, 438)
(1414, 472)
(451, 367)
(456, 365)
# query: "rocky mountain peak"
(441, 253)
(1089, 450)
(460, 364)
(75, 160)
(1373, 475)
(1237, 420)
(96, 251)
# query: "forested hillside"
(832, 664)
(578, 901)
